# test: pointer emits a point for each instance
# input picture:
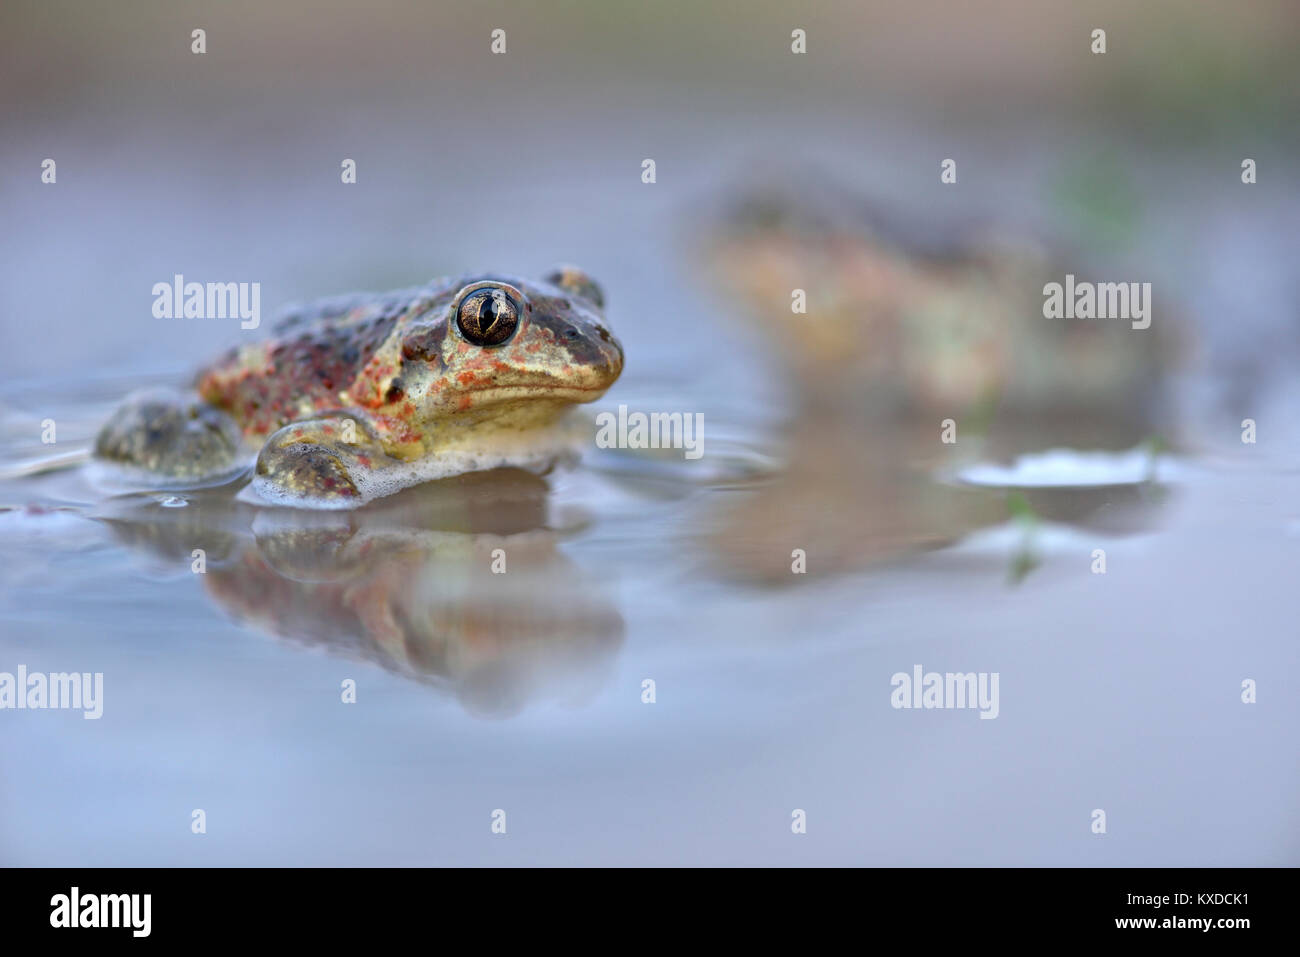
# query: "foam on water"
(1069, 468)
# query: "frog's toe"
(174, 436)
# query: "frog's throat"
(524, 421)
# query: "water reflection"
(407, 582)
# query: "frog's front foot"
(174, 437)
(319, 462)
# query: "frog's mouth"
(526, 404)
(511, 394)
(566, 379)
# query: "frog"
(907, 350)
(354, 397)
(916, 317)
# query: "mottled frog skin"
(358, 396)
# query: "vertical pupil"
(488, 317)
(489, 310)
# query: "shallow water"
(524, 691)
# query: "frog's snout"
(589, 367)
(609, 365)
(585, 354)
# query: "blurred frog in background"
(914, 321)
(907, 350)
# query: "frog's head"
(500, 345)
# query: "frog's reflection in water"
(458, 584)
(849, 503)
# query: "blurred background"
(773, 171)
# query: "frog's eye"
(488, 316)
(574, 280)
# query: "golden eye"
(488, 316)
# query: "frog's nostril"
(570, 333)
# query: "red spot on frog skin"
(500, 366)
(465, 402)
(467, 378)
(398, 429)
(364, 460)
